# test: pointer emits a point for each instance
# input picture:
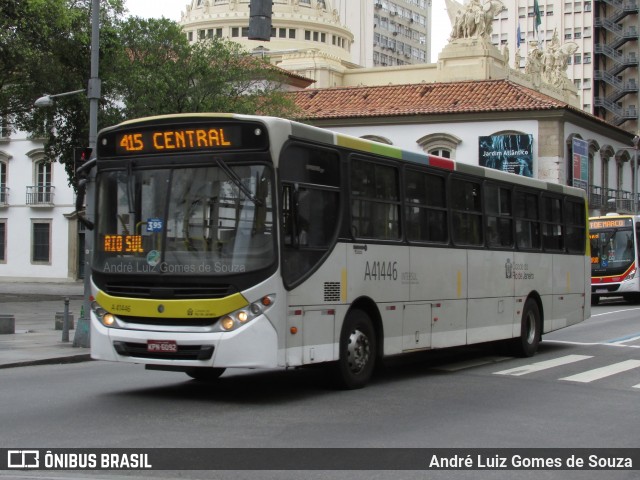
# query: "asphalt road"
(582, 390)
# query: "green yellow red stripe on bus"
(393, 152)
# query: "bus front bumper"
(254, 345)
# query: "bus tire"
(358, 350)
(530, 330)
(205, 374)
(595, 299)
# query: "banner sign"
(509, 153)
(29, 459)
(580, 149)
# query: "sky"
(172, 9)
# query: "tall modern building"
(616, 62)
(388, 32)
(604, 68)
(322, 38)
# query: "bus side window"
(466, 212)
(425, 207)
(638, 239)
(576, 228)
(499, 216)
(527, 220)
(375, 200)
(552, 223)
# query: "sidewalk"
(34, 306)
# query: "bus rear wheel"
(530, 331)
(205, 374)
(358, 350)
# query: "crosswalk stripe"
(598, 373)
(536, 367)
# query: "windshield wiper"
(238, 182)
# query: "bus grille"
(170, 322)
(154, 291)
(185, 352)
(610, 288)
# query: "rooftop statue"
(551, 62)
(473, 20)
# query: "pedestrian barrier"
(7, 324)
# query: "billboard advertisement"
(580, 149)
(509, 153)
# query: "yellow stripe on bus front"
(142, 307)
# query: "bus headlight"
(106, 318)
(631, 275)
(240, 317)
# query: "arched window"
(441, 144)
(606, 152)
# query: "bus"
(232, 241)
(614, 257)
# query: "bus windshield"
(612, 250)
(213, 220)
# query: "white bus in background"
(232, 241)
(614, 257)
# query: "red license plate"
(162, 346)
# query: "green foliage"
(160, 72)
(147, 67)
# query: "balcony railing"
(611, 200)
(4, 196)
(40, 195)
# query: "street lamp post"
(47, 100)
(93, 94)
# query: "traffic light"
(80, 156)
(260, 20)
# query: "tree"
(160, 72)
(53, 42)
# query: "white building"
(39, 236)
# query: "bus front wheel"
(358, 349)
(205, 374)
(530, 330)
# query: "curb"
(79, 358)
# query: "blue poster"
(509, 153)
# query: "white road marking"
(538, 366)
(602, 372)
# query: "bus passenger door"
(416, 326)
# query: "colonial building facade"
(39, 234)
